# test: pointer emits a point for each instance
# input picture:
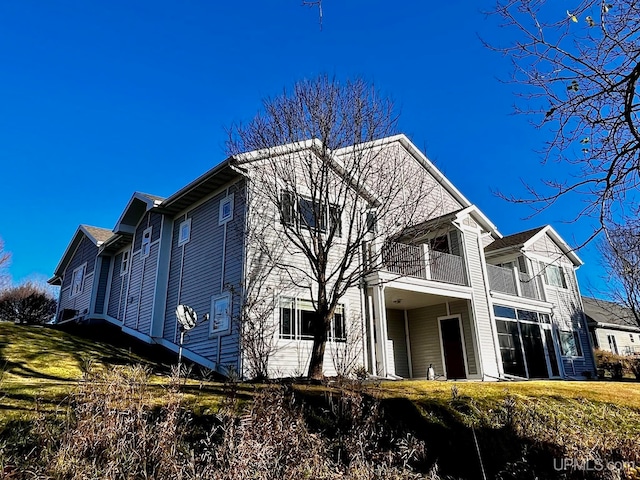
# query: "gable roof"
(602, 313)
(420, 157)
(138, 205)
(523, 240)
(96, 235)
(315, 146)
(422, 228)
(513, 240)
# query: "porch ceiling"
(407, 300)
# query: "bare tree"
(621, 258)
(5, 258)
(324, 188)
(579, 72)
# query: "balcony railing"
(409, 260)
(504, 280)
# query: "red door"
(452, 347)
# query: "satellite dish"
(187, 316)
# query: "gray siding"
(85, 253)
(118, 291)
(132, 297)
(462, 308)
(147, 288)
(396, 334)
(208, 265)
(481, 313)
(425, 339)
(103, 282)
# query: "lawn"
(43, 369)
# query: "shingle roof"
(602, 311)
(152, 197)
(512, 240)
(99, 234)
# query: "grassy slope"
(557, 416)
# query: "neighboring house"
(612, 327)
(459, 297)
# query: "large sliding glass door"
(527, 347)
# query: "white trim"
(135, 333)
(147, 231)
(128, 252)
(186, 222)
(462, 342)
(82, 267)
(212, 315)
(186, 353)
(557, 239)
(408, 342)
(227, 200)
(520, 302)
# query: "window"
(631, 338)
(184, 232)
(77, 280)
(570, 344)
(146, 242)
(220, 314)
(613, 346)
(297, 318)
(372, 221)
(226, 209)
(504, 312)
(310, 214)
(124, 267)
(440, 244)
(554, 275)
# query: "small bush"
(616, 366)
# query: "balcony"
(513, 282)
(417, 261)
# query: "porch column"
(380, 320)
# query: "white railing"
(504, 280)
(409, 260)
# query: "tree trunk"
(316, 363)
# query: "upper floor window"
(309, 213)
(226, 209)
(554, 276)
(184, 232)
(146, 242)
(297, 318)
(77, 280)
(124, 267)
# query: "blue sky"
(100, 99)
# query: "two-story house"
(447, 292)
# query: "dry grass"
(626, 394)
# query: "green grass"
(40, 367)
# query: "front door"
(452, 348)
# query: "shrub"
(634, 366)
(615, 365)
(27, 303)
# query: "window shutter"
(287, 207)
(522, 264)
